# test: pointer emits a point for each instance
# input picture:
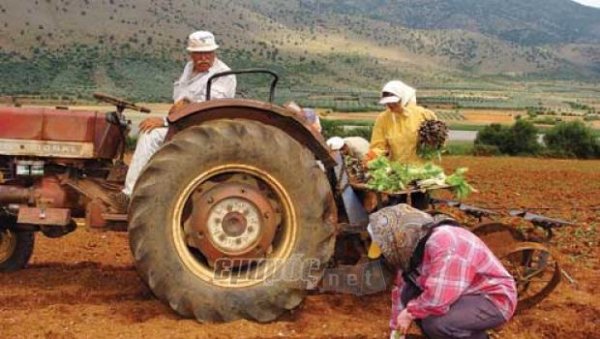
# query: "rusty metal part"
(42, 148)
(473, 211)
(116, 218)
(57, 133)
(269, 114)
(231, 220)
(94, 211)
(44, 216)
(51, 192)
(111, 137)
(92, 190)
(536, 271)
(444, 214)
(477, 212)
(47, 192)
(120, 103)
(498, 237)
(116, 222)
(15, 194)
(541, 221)
(118, 172)
(236, 273)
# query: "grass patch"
(362, 123)
(459, 148)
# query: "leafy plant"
(385, 175)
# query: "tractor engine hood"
(56, 133)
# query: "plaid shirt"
(456, 263)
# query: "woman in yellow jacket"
(395, 132)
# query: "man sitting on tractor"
(190, 88)
(448, 280)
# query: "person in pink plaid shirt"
(448, 282)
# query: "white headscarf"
(401, 92)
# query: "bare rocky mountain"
(136, 47)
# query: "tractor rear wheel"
(229, 220)
(15, 249)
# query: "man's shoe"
(120, 202)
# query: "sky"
(593, 3)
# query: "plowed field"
(85, 286)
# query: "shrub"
(486, 150)
(524, 138)
(494, 134)
(572, 139)
(519, 139)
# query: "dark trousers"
(418, 200)
(469, 317)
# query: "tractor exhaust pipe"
(15, 195)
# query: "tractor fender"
(267, 113)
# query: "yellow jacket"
(398, 133)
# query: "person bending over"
(448, 282)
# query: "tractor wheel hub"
(232, 221)
(234, 224)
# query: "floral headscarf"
(397, 230)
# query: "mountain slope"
(531, 22)
(136, 47)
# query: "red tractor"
(232, 218)
(241, 211)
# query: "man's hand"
(178, 105)
(149, 124)
(404, 320)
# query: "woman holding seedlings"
(395, 133)
(448, 281)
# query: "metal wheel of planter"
(536, 272)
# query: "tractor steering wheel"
(120, 103)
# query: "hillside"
(530, 22)
(136, 47)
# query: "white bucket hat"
(201, 41)
(397, 91)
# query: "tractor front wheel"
(15, 249)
